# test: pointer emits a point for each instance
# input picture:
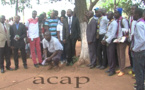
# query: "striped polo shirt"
(52, 24)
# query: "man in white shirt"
(121, 47)
(138, 48)
(60, 37)
(108, 41)
(52, 49)
(34, 39)
(102, 27)
(131, 32)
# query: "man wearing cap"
(121, 47)
(101, 30)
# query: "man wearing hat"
(121, 47)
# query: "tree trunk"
(114, 5)
(81, 8)
(16, 7)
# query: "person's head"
(34, 14)
(44, 13)
(41, 17)
(61, 19)
(69, 12)
(90, 14)
(137, 13)
(52, 15)
(98, 13)
(103, 11)
(47, 35)
(133, 7)
(110, 15)
(2, 19)
(118, 13)
(63, 12)
(16, 19)
(56, 12)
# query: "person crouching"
(52, 49)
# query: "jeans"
(139, 67)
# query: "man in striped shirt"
(52, 24)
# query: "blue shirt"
(17, 25)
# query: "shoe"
(2, 71)
(120, 74)
(25, 66)
(98, 66)
(108, 71)
(68, 64)
(40, 64)
(111, 73)
(92, 66)
(135, 87)
(16, 68)
(118, 71)
(102, 67)
(10, 69)
(36, 65)
(88, 65)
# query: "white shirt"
(60, 28)
(33, 28)
(111, 32)
(126, 26)
(139, 37)
(103, 25)
(131, 31)
(53, 45)
(70, 18)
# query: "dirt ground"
(23, 79)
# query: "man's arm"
(11, 36)
(24, 32)
(64, 31)
(54, 54)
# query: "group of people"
(51, 39)
(54, 38)
(107, 43)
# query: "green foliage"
(48, 13)
(125, 4)
(21, 4)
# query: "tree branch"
(92, 4)
(118, 3)
(90, 1)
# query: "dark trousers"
(102, 58)
(23, 54)
(139, 66)
(5, 53)
(56, 58)
(111, 56)
(63, 56)
(130, 57)
(70, 49)
(92, 53)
